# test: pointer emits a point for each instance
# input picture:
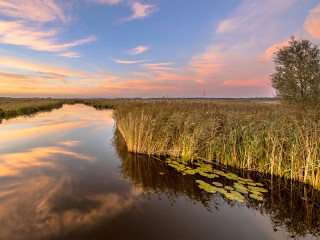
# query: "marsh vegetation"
(265, 137)
(260, 136)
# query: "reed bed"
(259, 136)
(16, 107)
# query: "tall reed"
(264, 137)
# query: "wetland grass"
(10, 108)
(260, 136)
(265, 137)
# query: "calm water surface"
(67, 175)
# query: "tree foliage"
(297, 73)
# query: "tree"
(297, 76)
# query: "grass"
(293, 207)
(260, 136)
(264, 137)
(17, 107)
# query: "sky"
(147, 48)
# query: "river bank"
(255, 135)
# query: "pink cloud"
(69, 55)
(128, 62)
(112, 2)
(33, 10)
(18, 33)
(270, 51)
(138, 50)
(159, 66)
(255, 82)
(249, 14)
(209, 63)
(142, 74)
(141, 10)
(39, 67)
(312, 23)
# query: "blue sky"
(131, 48)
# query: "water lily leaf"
(229, 188)
(217, 184)
(203, 173)
(210, 189)
(190, 172)
(235, 196)
(231, 176)
(200, 181)
(242, 182)
(254, 196)
(221, 190)
(251, 183)
(256, 193)
(241, 190)
(258, 189)
(212, 175)
(246, 179)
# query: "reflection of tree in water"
(293, 208)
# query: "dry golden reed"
(262, 136)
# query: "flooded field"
(67, 175)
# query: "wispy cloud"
(141, 11)
(27, 25)
(112, 2)
(137, 50)
(69, 55)
(312, 23)
(159, 66)
(18, 33)
(242, 17)
(34, 10)
(128, 62)
(38, 67)
(143, 74)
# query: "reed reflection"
(292, 207)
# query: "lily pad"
(212, 175)
(246, 179)
(242, 182)
(217, 184)
(200, 181)
(191, 172)
(256, 193)
(231, 176)
(258, 189)
(210, 189)
(233, 195)
(229, 188)
(251, 183)
(254, 196)
(203, 173)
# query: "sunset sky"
(152, 48)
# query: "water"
(67, 175)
